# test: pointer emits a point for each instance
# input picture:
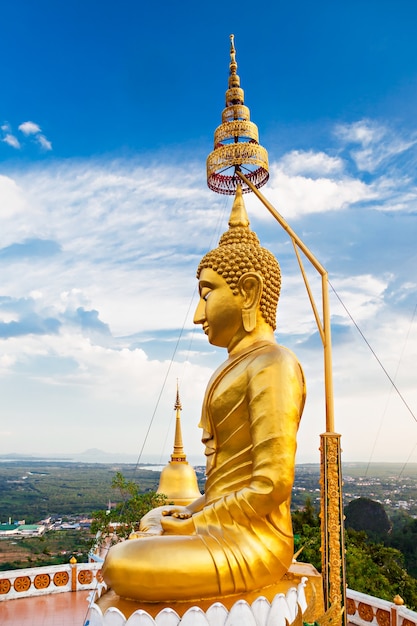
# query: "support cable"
(375, 355)
(390, 393)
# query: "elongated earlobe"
(250, 285)
(249, 319)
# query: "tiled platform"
(59, 609)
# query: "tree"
(119, 522)
(371, 567)
(368, 515)
(307, 536)
(307, 515)
(404, 538)
(378, 570)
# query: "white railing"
(364, 610)
(39, 581)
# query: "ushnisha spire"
(238, 214)
(236, 142)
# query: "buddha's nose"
(199, 315)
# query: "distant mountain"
(13, 455)
(93, 452)
(95, 455)
(92, 455)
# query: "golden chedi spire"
(236, 142)
(178, 452)
(178, 480)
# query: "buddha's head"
(251, 272)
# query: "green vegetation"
(373, 567)
(120, 521)
(378, 570)
(404, 537)
(53, 548)
(35, 490)
(370, 516)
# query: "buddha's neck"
(262, 333)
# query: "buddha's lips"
(205, 328)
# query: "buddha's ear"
(250, 286)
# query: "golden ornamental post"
(238, 158)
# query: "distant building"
(7, 530)
(31, 530)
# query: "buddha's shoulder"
(273, 354)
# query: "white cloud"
(11, 140)
(363, 294)
(296, 195)
(44, 142)
(9, 137)
(313, 164)
(29, 128)
(13, 200)
(378, 143)
(364, 132)
(128, 238)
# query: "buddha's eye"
(205, 294)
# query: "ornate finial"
(236, 142)
(238, 215)
(177, 401)
(233, 64)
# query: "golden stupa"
(178, 480)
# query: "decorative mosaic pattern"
(5, 585)
(85, 577)
(42, 581)
(61, 579)
(22, 583)
(350, 606)
(366, 612)
(383, 617)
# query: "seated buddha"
(238, 536)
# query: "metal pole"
(332, 529)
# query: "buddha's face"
(219, 311)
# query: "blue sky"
(107, 116)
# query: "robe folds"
(242, 537)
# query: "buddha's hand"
(151, 522)
(181, 512)
(178, 523)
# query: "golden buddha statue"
(238, 536)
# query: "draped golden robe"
(243, 535)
